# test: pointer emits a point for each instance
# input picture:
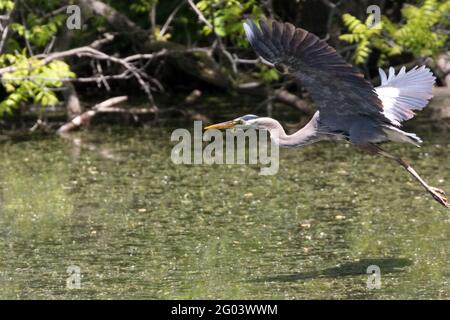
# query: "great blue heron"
(349, 107)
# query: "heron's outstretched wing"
(337, 87)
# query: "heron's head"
(244, 122)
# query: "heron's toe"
(440, 197)
(439, 191)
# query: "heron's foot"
(439, 196)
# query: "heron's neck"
(306, 135)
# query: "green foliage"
(143, 6)
(362, 34)
(417, 34)
(36, 32)
(268, 74)
(29, 79)
(226, 17)
(7, 5)
(421, 33)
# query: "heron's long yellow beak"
(222, 125)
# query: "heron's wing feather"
(405, 92)
(337, 87)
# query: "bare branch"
(171, 17)
(108, 37)
(5, 29)
(200, 15)
(91, 52)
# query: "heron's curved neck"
(306, 135)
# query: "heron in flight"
(349, 107)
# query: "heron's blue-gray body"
(358, 130)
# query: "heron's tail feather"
(395, 134)
(405, 92)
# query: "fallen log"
(86, 116)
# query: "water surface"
(138, 226)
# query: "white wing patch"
(405, 92)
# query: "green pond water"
(111, 202)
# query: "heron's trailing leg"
(437, 194)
